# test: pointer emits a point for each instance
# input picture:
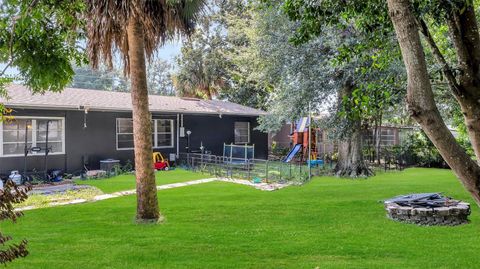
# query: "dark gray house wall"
(98, 140)
(212, 131)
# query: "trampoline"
(238, 154)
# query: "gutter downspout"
(178, 136)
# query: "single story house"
(86, 126)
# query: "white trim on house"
(154, 133)
(34, 136)
(178, 136)
(155, 137)
(117, 133)
(172, 137)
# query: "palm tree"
(136, 28)
(201, 68)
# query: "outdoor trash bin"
(108, 165)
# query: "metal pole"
(309, 141)
(25, 151)
(46, 152)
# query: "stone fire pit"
(427, 209)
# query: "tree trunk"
(147, 203)
(420, 99)
(378, 139)
(350, 156)
(350, 151)
(463, 29)
(471, 113)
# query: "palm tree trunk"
(147, 203)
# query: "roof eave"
(112, 109)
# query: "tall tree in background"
(220, 58)
(159, 77)
(136, 29)
(351, 162)
(100, 79)
(201, 71)
(459, 67)
(317, 67)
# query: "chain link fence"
(256, 170)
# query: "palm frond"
(161, 20)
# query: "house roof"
(72, 98)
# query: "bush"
(418, 150)
(279, 152)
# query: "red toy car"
(160, 163)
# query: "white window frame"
(154, 133)
(235, 136)
(172, 133)
(34, 136)
(117, 133)
(387, 139)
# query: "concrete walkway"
(260, 186)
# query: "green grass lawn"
(127, 182)
(327, 223)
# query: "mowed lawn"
(127, 182)
(327, 223)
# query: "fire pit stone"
(427, 209)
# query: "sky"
(170, 51)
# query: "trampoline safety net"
(238, 152)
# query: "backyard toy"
(238, 154)
(305, 143)
(295, 150)
(257, 180)
(314, 163)
(159, 162)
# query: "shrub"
(418, 150)
(9, 196)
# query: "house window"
(242, 132)
(387, 137)
(34, 131)
(162, 134)
(124, 134)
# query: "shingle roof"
(72, 98)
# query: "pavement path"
(260, 186)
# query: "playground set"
(238, 161)
(304, 140)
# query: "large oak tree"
(465, 86)
(411, 20)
